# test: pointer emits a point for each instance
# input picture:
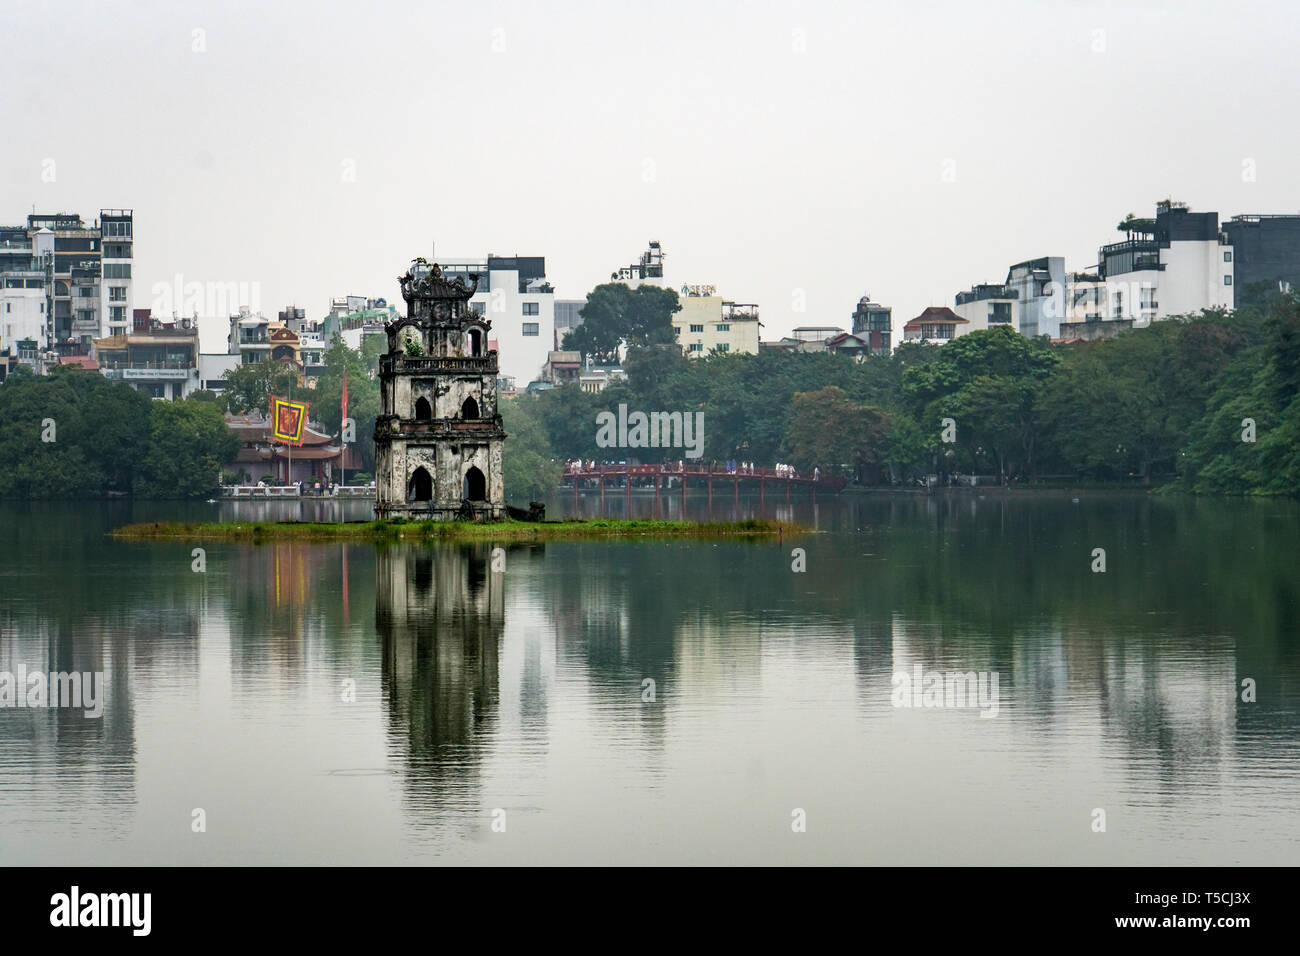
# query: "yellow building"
(708, 323)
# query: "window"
(1227, 280)
(1227, 257)
(724, 347)
(697, 328)
(530, 328)
(696, 347)
(724, 327)
(9, 306)
(478, 308)
(117, 271)
(530, 308)
(86, 291)
(117, 314)
(117, 293)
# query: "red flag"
(345, 395)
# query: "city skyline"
(821, 166)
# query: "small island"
(506, 530)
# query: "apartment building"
(1265, 255)
(934, 326)
(158, 357)
(709, 323)
(1039, 287)
(873, 323)
(515, 296)
(987, 306)
(66, 282)
(1178, 263)
(648, 270)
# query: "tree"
(70, 434)
(996, 414)
(988, 382)
(189, 443)
(364, 401)
(827, 430)
(1256, 396)
(532, 469)
(249, 387)
(616, 316)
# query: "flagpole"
(343, 430)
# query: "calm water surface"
(522, 690)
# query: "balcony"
(1135, 255)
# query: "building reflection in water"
(439, 611)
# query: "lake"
(666, 701)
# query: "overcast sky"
(903, 150)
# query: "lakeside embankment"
(451, 530)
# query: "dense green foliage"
(76, 434)
(249, 387)
(1209, 403)
(189, 442)
(1166, 402)
(531, 467)
(364, 403)
(617, 316)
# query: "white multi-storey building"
(1175, 264)
(117, 244)
(83, 272)
(514, 295)
(1039, 287)
(23, 292)
(987, 306)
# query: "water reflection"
(440, 615)
(523, 680)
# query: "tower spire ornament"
(439, 437)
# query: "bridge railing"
(702, 471)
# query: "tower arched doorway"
(475, 488)
(421, 488)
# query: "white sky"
(773, 170)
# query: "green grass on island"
(452, 530)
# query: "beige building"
(709, 323)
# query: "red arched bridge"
(579, 476)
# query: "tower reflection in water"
(440, 614)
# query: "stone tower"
(438, 438)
